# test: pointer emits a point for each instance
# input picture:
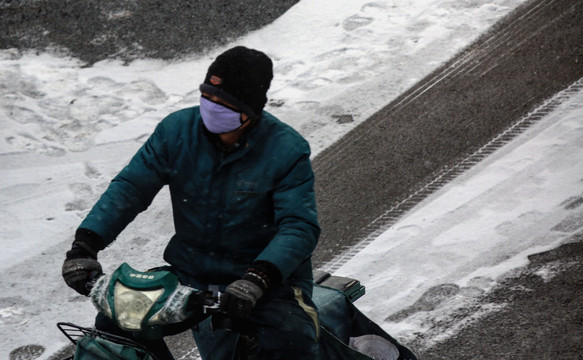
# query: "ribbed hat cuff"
(213, 90)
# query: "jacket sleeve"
(296, 218)
(132, 190)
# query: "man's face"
(222, 118)
(217, 99)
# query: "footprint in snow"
(430, 300)
(356, 21)
(28, 142)
(84, 197)
(27, 352)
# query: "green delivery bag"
(95, 348)
(342, 325)
(92, 344)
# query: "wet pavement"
(541, 318)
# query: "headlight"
(142, 302)
(132, 306)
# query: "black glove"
(242, 295)
(81, 265)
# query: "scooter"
(153, 304)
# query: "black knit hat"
(241, 77)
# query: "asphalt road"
(540, 320)
(371, 173)
(126, 29)
(530, 55)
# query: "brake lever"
(211, 303)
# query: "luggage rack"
(75, 332)
(352, 288)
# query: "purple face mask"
(218, 118)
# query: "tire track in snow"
(469, 105)
(391, 216)
(463, 66)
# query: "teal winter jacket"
(230, 208)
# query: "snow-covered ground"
(66, 130)
(462, 240)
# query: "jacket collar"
(254, 133)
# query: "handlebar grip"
(93, 276)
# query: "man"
(243, 203)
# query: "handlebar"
(93, 276)
(198, 305)
(220, 319)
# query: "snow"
(519, 201)
(66, 130)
